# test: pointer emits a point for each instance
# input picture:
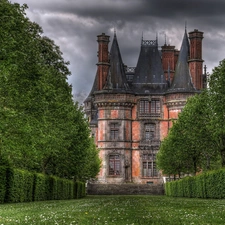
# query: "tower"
(182, 86)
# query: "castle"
(130, 109)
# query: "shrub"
(206, 185)
(3, 174)
(41, 187)
(19, 186)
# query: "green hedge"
(19, 186)
(61, 188)
(206, 185)
(79, 189)
(23, 186)
(41, 187)
(3, 175)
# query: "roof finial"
(165, 38)
(114, 32)
(185, 26)
(205, 69)
(142, 37)
(157, 38)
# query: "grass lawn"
(118, 210)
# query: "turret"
(182, 81)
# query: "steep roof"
(94, 88)
(182, 78)
(116, 79)
(149, 75)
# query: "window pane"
(142, 106)
(155, 172)
(155, 106)
(114, 165)
(149, 131)
(152, 106)
(114, 131)
(149, 165)
(146, 107)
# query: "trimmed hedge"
(23, 186)
(80, 189)
(19, 186)
(206, 185)
(41, 187)
(3, 185)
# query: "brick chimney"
(103, 60)
(169, 60)
(196, 61)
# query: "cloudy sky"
(74, 25)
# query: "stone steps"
(125, 189)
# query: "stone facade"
(130, 109)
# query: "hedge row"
(23, 186)
(206, 185)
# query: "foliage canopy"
(41, 128)
(197, 139)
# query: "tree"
(217, 101)
(190, 145)
(41, 128)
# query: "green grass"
(118, 210)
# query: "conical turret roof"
(182, 77)
(94, 88)
(116, 79)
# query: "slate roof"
(116, 79)
(149, 76)
(182, 81)
(94, 88)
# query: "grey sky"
(74, 25)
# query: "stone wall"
(125, 189)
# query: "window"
(150, 107)
(114, 131)
(149, 131)
(114, 165)
(149, 165)
(155, 106)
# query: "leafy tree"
(217, 101)
(41, 128)
(190, 145)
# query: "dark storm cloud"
(74, 25)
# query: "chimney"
(103, 60)
(196, 61)
(168, 59)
